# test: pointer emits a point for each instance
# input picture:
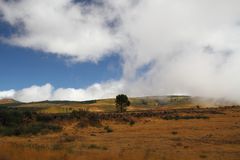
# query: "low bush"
(57, 146)
(67, 138)
(83, 123)
(131, 122)
(94, 120)
(94, 146)
(86, 118)
(108, 129)
(79, 114)
(44, 118)
(177, 117)
(30, 129)
(203, 156)
(12, 118)
(174, 132)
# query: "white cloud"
(34, 93)
(60, 27)
(47, 92)
(7, 94)
(95, 91)
(192, 46)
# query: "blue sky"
(21, 67)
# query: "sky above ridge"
(89, 49)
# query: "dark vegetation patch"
(30, 129)
(14, 104)
(67, 138)
(203, 156)
(17, 122)
(94, 146)
(88, 102)
(108, 129)
(86, 118)
(57, 146)
(25, 121)
(186, 117)
(10, 118)
(132, 122)
(35, 146)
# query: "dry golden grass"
(108, 105)
(149, 138)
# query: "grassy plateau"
(152, 128)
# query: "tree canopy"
(122, 102)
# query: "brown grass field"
(216, 137)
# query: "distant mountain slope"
(7, 101)
(108, 105)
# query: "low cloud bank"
(47, 92)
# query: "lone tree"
(122, 102)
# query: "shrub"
(203, 156)
(67, 138)
(79, 114)
(94, 120)
(94, 146)
(132, 122)
(30, 129)
(57, 146)
(44, 118)
(174, 132)
(108, 129)
(84, 122)
(11, 118)
(15, 117)
(29, 114)
(86, 118)
(186, 117)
